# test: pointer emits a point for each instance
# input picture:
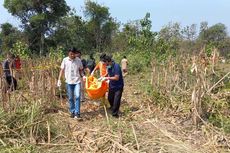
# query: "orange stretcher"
(94, 88)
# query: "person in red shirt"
(17, 67)
(17, 63)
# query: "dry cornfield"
(172, 117)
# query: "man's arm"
(115, 78)
(11, 67)
(60, 74)
(59, 78)
(81, 68)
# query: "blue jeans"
(73, 92)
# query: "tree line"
(50, 24)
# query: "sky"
(186, 12)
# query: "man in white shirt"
(124, 63)
(71, 67)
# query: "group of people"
(74, 69)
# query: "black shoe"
(72, 115)
(115, 116)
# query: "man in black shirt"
(11, 82)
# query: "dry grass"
(34, 120)
(193, 79)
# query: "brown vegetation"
(169, 116)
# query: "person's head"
(124, 56)
(78, 53)
(108, 61)
(10, 56)
(71, 54)
(102, 56)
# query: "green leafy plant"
(20, 49)
(57, 53)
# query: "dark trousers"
(11, 83)
(114, 98)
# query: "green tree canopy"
(215, 33)
(71, 31)
(8, 36)
(171, 32)
(38, 18)
(100, 24)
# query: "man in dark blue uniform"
(116, 84)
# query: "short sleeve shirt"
(115, 70)
(71, 69)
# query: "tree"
(203, 26)
(189, 32)
(38, 18)
(108, 31)
(132, 29)
(100, 25)
(224, 48)
(7, 29)
(71, 31)
(147, 36)
(171, 32)
(121, 40)
(214, 34)
(9, 35)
